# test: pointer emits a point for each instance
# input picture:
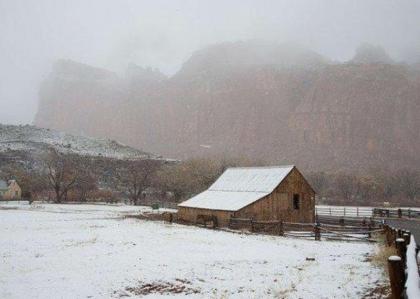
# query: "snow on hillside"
(78, 251)
(30, 138)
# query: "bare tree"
(195, 175)
(319, 181)
(409, 183)
(61, 171)
(87, 180)
(347, 186)
(188, 177)
(135, 176)
(370, 189)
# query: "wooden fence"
(395, 213)
(318, 231)
(338, 211)
(353, 221)
(365, 212)
(397, 264)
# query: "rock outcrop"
(281, 104)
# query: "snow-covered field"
(89, 251)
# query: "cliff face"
(274, 104)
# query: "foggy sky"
(163, 34)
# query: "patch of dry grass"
(380, 259)
(383, 252)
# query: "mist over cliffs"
(274, 102)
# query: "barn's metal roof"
(238, 187)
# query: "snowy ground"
(413, 278)
(87, 251)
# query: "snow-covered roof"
(238, 187)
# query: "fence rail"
(396, 213)
(361, 232)
(348, 221)
(366, 212)
(344, 211)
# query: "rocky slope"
(278, 103)
(31, 139)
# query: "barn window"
(296, 201)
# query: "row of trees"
(375, 187)
(68, 177)
(370, 188)
(65, 176)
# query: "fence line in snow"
(318, 231)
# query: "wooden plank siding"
(190, 215)
(279, 204)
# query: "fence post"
(330, 211)
(409, 213)
(252, 225)
(388, 235)
(401, 248)
(369, 229)
(357, 211)
(391, 236)
(281, 230)
(394, 234)
(399, 213)
(396, 276)
(407, 237)
(317, 232)
(214, 222)
(372, 222)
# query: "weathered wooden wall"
(190, 215)
(279, 204)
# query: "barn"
(261, 193)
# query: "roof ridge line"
(247, 191)
(261, 167)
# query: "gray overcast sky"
(110, 34)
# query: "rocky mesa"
(278, 103)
